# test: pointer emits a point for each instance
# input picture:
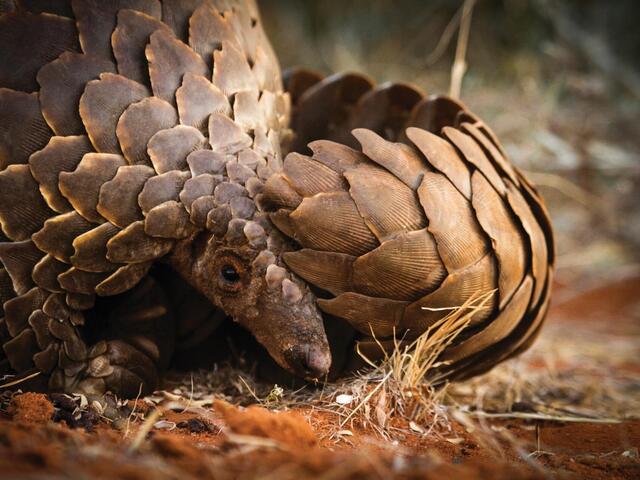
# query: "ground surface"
(569, 408)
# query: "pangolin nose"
(311, 362)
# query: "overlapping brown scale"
(57, 235)
(530, 328)
(459, 287)
(62, 83)
(241, 207)
(283, 222)
(176, 14)
(101, 105)
(129, 40)
(75, 280)
(266, 69)
(56, 307)
(80, 302)
(82, 186)
(231, 70)
(506, 235)
(96, 20)
(441, 155)
(47, 6)
(169, 60)
(218, 220)
(246, 111)
(76, 350)
(169, 148)
(90, 249)
(197, 98)
(434, 113)
(123, 279)
(24, 131)
(207, 161)
(403, 268)
(324, 102)
(385, 109)
(226, 136)
(336, 156)
(133, 245)
(21, 349)
(141, 121)
(226, 191)
(208, 31)
(473, 154)
(400, 159)
(6, 288)
(39, 322)
(201, 207)
(387, 205)
(62, 154)
(518, 341)
(369, 315)
(162, 188)
(269, 115)
(47, 359)
(537, 240)
(168, 220)
(452, 222)
(118, 200)
(326, 270)
(298, 80)
(18, 309)
(197, 187)
(18, 259)
(22, 208)
(31, 41)
(244, 20)
(61, 329)
(45, 273)
(309, 177)
(278, 193)
(492, 151)
(331, 222)
(499, 328)
(540, 212)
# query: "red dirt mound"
(31, 408)
(286, 428)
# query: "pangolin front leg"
(138, 334)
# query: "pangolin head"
(242, 273)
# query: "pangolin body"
(138, 132)
(406, 207)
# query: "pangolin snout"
(309, 361)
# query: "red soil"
(226, 442)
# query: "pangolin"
(139, 134)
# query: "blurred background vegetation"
(558, 80)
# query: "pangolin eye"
(230, 274)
